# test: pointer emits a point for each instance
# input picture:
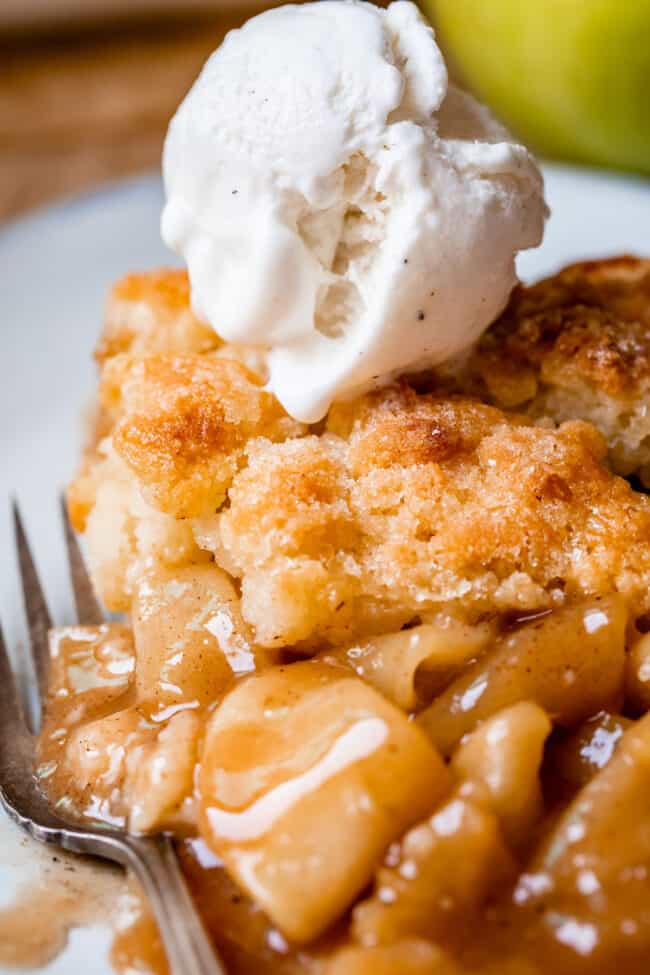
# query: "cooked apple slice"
(570, 662)
(307, 775)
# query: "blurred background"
(88, 86)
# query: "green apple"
(570, 77)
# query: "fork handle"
(155, 864)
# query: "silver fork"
(151, 858)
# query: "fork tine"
(88, 609)
(38, 616)
(12, 719)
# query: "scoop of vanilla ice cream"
(345, 213)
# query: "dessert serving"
(384, 666)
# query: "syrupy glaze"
(137, 945)
(343, 816)
(55, 892)
(243, 936)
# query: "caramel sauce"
(137, 946)
(244, 938)
(65, 892)
(578, 903)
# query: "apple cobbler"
(386, 677)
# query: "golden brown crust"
(407, 501)
(620, 285)
(182, 425)
(589, 324)
(575, 346)
(504, 515)
(399, 427)
(565, 346)
(81, 494)
(149, 314)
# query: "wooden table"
(79, 109)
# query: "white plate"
(56, 267)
